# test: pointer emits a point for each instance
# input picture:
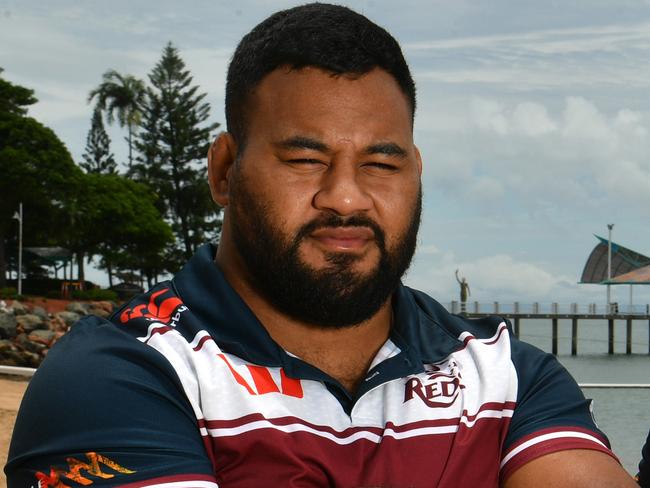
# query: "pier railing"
(540, 308)
(554, 312)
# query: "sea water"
(623, 414)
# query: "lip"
(343, 238)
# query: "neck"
(343, 353)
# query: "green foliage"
(8, 292)
(115, 214)
(35, 168)
(97, 157)
(172, 143)
(120, 97)
(95, 294)
(14, 98)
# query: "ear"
(418, 157)
(221, 157)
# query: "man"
(292, 355)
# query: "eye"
(304, 161)
(375, 167)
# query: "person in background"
(643, 478)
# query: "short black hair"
(330, 37)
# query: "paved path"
(11, 392)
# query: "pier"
(555, 312)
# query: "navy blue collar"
(423, 330)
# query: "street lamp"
(19, 216)
(609, 267)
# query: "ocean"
(623, 414)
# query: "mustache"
(335, 221)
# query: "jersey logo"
(91, 468)
(441, 387)
(159, 310)
(264, 382)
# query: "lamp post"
(19, 216)
(609, 267)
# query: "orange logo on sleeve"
(157, 309)
(79, 470)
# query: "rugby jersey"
(183, 387)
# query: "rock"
(18, 308)
(78, 308)
(6, 346)
(105, 305)
(7, 325)
(24, 343)
(57, 324)
(100, 312)
(41, 312)
(68, 317)
(44, 337)
(30, 322)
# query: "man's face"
(325, 198)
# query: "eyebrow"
(302, 142)
(387, 148)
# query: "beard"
(335, 296)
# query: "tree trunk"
(3, 263)
(81, 275)
(109, 269)
(130, 147)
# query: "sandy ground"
(11, 392)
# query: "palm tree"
(120, 97)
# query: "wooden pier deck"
(516, 312)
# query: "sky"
(533, 118)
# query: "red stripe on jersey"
(238, 378)
(420, 424)
(202, 341)
(548, 447)
(290, 386)
(263, 381)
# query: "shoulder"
(457, 325)
(101, 390)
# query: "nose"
(341, 192)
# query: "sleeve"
(551, 413)
(106, 410)
(644, 466)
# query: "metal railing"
(554, 308)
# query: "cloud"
(612, 55)
(495, 277)
(578, 155)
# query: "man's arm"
(576, 468)
(552, 439)
(106, 410)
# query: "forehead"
(313, 101)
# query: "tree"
(120, 96)
(117, 218)
(97, 157)
(35, 168)
(173, 143)
(14, 99)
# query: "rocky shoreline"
(27, 332)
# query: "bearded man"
(290, 354)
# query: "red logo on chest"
(440, 388)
